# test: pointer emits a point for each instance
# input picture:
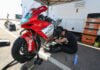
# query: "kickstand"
(9, 65)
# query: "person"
(67, 43)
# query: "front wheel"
(20, 51)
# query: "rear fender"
(30, 43)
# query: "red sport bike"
(38, 30)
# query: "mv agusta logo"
(30, 44)
(40, 24)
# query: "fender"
(30, 43)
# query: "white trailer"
(74, 14)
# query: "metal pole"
(48, 7)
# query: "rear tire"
(20, 51)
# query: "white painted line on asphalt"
(47, 56)
(89, 46)
(59, 64)
(44, 54)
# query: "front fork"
(34, 37)
(38, 60)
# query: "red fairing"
(36, 25)
(30, 43)
(39, 10)
(31, 20)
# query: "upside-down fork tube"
(36, 47)
(34, 39)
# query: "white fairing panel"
(48, 31)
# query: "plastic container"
(75, 59)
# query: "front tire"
(20, 51)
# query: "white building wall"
(10, 7)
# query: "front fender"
(30, 43)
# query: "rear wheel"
(20, 51)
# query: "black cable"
(9, 65)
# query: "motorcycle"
(38, 31)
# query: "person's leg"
(68, 49)
(55, 48)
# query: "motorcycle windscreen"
(48, 31)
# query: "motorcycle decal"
(30, 45)
(48, 31)
(50, 38)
